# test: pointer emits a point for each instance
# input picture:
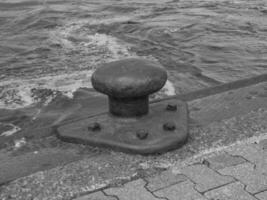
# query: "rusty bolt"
(169, 126)
(94, 127)
(142, 134)
(171, 107)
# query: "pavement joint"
(253, 180)
(215, 171)
(132, 190)
(205, 158)
(261, 195)
(183, 190)
(194, 188)
(157, 197)
(168, 184)
(216, 187)
(256, 198)
(152, 192)
(246, 186)
(259, 192)
(222, 160)
(230, 176)
(236, 156)
(254, 165)
(189, 179)
(194, 183)
(230, 191)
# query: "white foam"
(19, 143)
(12, 131)
(95, 47)
(169, 88)
(17, 93)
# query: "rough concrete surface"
(223, 160)
(210, 131)
(96, 196)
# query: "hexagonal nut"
(142, 134)
(171, 107)
(94, 127)
(169, 126)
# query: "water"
(53, 46)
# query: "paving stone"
(252, 178)
(132, 191)
(262, 195)
(205, 178)
(164, 180)
(181, 191)
(232, 191)
(253, 153)
(223, 160)
(96, 196)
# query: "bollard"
(132, 124)
(128, 83)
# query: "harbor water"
(53, 46)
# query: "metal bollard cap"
(129, 78)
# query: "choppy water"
(54, 45)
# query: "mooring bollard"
(128, 84)
(131, 124)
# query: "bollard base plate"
(141, 135)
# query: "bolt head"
(169, 126)
(171, 107)
(142, 134)
(94, 127)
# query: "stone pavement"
(235, 172)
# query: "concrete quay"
(225, 157)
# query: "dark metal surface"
(128, 107)
(132, 77)
(157, 132)
(128, 83)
